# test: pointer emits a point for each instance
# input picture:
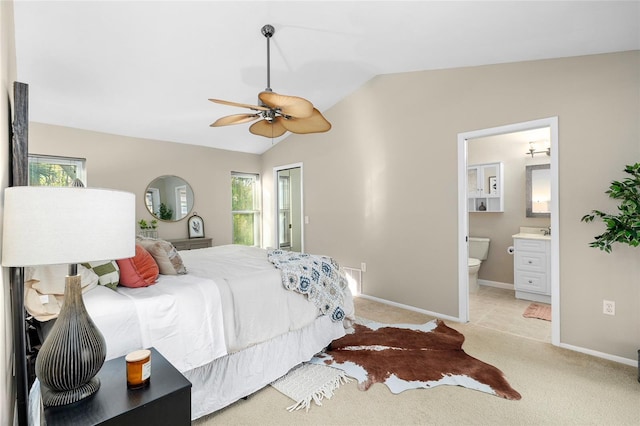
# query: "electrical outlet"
(608, 307)
(363, 267)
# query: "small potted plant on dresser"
(623, 227)
(148, 230)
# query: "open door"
(289, 225)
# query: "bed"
(229, 324)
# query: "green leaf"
(623, 227)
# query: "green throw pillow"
(107, 271)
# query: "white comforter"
(231, 298)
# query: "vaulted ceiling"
(146, 68)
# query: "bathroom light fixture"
(532, 150)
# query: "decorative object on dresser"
(191, 243)
(148, 229)
(54, 225)
(195, 225)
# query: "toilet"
(478, 251)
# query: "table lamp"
(54, 225)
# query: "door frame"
(276, 191)
(463, 216)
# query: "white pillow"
(43, 307)
(51, 278)
(165, 254)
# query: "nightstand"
(166, 401)
(191, 243)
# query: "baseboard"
(610, 357)
(496, 284)
(409, 308)
(615, 358)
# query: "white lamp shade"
(51, 225)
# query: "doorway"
(289, 228)
(464, 139)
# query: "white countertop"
(532, 233)
(532, 236)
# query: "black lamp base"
(51, 398)
(72, 354)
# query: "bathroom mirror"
(169, 198)
(539, 190)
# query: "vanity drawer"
(534, 282)
(531, 261)
(529, 244)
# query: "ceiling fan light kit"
(278, 113)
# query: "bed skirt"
(232, 377)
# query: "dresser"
(166, 401)
(191, 243)
(532, 267)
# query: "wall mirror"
(539, 190)
(169, 198)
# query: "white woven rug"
(310, 382)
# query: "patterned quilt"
(317, 277)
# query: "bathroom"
(499, 217)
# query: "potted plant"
(148, 230)
(623, 227)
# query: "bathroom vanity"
(532, 264)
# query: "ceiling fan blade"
(288, 105)
(314, 124)
(253, 107)
(234, 119)
(267, 129)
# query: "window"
(47, 170)
(245, 206)
(181, 200)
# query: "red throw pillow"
(138, 271)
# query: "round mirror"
(169, 198)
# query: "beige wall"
(381, 186)
(130, 164)
(7, 77)
(499, 227)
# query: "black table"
(166, 401)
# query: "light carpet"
(559, 387)
(538, 311)
(310, 382)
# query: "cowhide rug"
(410, 356)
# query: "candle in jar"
(138, 368)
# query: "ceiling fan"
(278, 113)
